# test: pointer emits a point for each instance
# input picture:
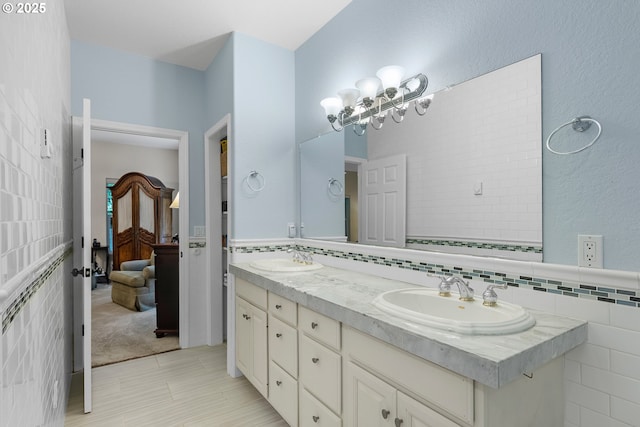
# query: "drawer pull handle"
(278, 383)
(385, 413)
(315, 359)
(398, 422)
(314, 325)
(278, 306)
(278, 335)
(315, 418)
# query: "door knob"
(79, 272)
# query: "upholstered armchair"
(134, 285)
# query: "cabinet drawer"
(283, 345)
(320, 372)
(321, 328)
(314, 413)
(252, 293)
(283, 309)
(283, 394)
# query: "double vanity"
(333, 347)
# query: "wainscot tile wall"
(35, 218)
(602, 376)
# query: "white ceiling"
(191, 32)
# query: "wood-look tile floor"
(187, 387)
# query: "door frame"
(213, 224)
(183, 225)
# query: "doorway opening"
(119, 333)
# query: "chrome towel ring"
(579, 124)
(257, 178)
(335, 187)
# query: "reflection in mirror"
(474, 169)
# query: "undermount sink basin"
(426, 307)
(283, 265)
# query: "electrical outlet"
(590, 251)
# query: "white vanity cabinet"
(251, 334)
(319, 372)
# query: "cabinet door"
(412, 413)
(244, 343)
(251, 344)
(369, 401)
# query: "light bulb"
(349, 98)
(368, 89)
(332, 107)
(391, 77)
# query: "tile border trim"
(25, 296)
(475, 245)
(608, 294)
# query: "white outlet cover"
(585, 259)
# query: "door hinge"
(82, 241)
(83, 329)
(82, 153)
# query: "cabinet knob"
(278, 306)
(278, 383)
(278, 335)
(315, 418)
(314, 325)
(315, 359)
(246, 317)
(385, 413)
(398, 422)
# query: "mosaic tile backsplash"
(573, 289)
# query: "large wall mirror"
(473, 180)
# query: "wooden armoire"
(141, 216)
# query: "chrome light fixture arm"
(384, 104)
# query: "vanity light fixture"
(375, 97)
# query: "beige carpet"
(120, 334)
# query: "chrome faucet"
(300, 256)
(489, 295)
(466, 291)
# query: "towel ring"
(334, 183)
(255, 175)
(579, 124)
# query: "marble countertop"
(493, 360)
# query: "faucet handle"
(490, 297)
(444, 288)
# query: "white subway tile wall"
(35, 218)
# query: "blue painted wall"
(249, 78)
(129, 88)
(590, 58)
(263, 139)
